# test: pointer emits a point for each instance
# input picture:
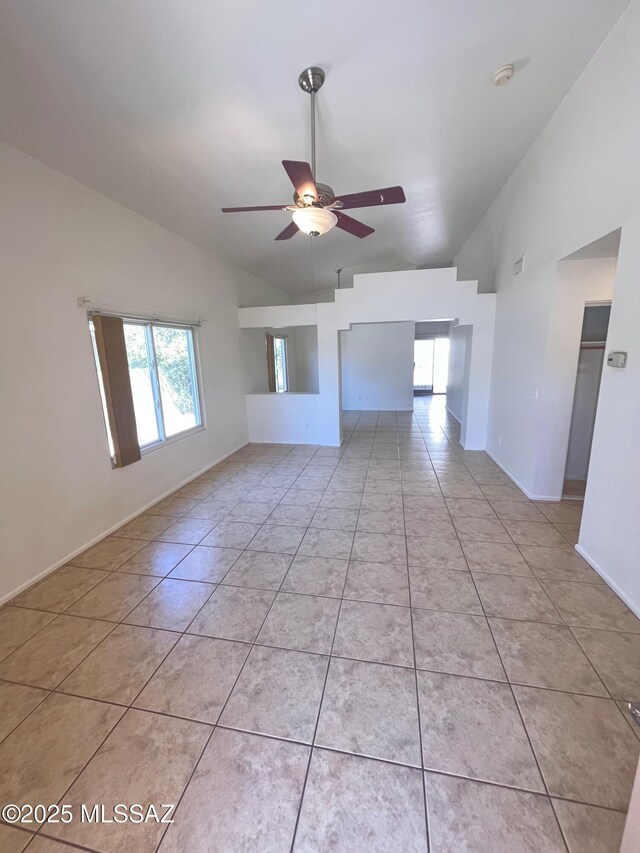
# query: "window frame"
(196, 381)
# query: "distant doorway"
(430, 366)
(593, 338)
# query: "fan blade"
(372, 198)
(301, 177)
(353, 226)
(290, 231)
(247, 209)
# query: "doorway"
(595, 325)
(430, 365)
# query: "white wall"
(460, 341)
(60, 241)
(306, 340)
(377, 366)
(392, 297)
(579, 181)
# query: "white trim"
(519, 484)
(110, 530)
(456, 418)
(632, 605)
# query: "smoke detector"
(503, 75)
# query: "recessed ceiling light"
(503, 75)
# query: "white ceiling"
(176, 108)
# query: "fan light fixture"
(314, 221)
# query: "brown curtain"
(271, 363)
(114, 366)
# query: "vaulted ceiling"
(175, 108)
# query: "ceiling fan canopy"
(316, 208)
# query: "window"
(160, 369)
(277, 363)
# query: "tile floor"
(377, 648)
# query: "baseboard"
(514, 480)
(455, 417)
(633, 606)
(110, 530)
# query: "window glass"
(176, 377)
(280, 356)
(144, 403)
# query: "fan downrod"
(311, 79)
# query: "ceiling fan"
(316, 208)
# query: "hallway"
(361, 647)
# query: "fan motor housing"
(326, 196)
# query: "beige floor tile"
(145, 526)
(495, 558)
(456, 643)
(563, 512)
(244, 794)
(209, 565)
(453, 489)
(302, 497)
(370, 709)
(118, 669)
(257, 513)
(341, 500)
(293, 516)
(515, 598)
(45, 753)
(432, 525)
(571, 532)
(335, 519)
(13, 840)
(503, 491)
(172, 605)
(187, 531)
(114, 597)
(379, 548)
(586, 605)
(374, 632)
(381, 503)
(278, 693)
(334, 544)
(231, 534)
(108, 554)
(517, 511)
(541, 655)
(616, 657)
(146, 759)
(353, 803)
(259, 569)
(431, 506)
(156, 558)
(385, 583)
(470, 508)
(589, 829)
(316, 576)
(535, 533)
(472, 728)
(233, 613)
(18, 625)
(471, 817)
(60, 589)
(173, 505)
(481, 530)
(562, 564)
(440, 589)
(435, 553)
(303, 622)
(51, 654)
(276, 538)
(586, 750)
(196, 679)
(213, 510)
(16, 702)
(379, 521)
